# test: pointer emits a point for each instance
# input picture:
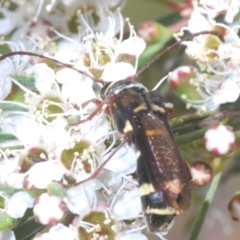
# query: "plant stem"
(208, 199)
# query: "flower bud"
(201, 173)
(234, 206)
(219, 140)
(181, 80)
(48, 209)
(150, 31)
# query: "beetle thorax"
(113, 88)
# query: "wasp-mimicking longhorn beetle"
(163, 180)
(141, 115)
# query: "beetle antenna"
(10, 54)
(161, 81)
(98, 80)
(167, 49)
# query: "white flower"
(10, 121)
(215, 8)
(217, 82)
(48, 209)
(7, 166)
(123, 161)
(51, 170)
(6, 68)
(111, 180)
(18, 204)
(76, 88)
(117, 71)
(211, 90)
(132, 46)
(130, 236)
(44, 76)
(52, 135)
(103, 50)
(219, 140)
(16, 180)
(25, 129)
(198, 22)
(81, 199)
(42, 236)
(228, 92)
(95, 130)
(30, 19)
(7, 234)
(100, 8)
(127, 205)
(59, 232)
(62, 232)
(9, 21)
(77, 152)
(230, 49)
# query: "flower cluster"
(50, 162)
(62, 159)
(216, 80)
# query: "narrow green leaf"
(178, 122)
(208, 199)
(27, 81)
(189, 137)
(8, 189)
(9, 141)
(7, 137)
(27, 230)
(10, 107)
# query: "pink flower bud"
(219, 140)
(201, 173)
(181, 76)
(150, 31)
(48, 209)
(234, 207)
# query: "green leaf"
(7, 137)
(27, 81)
(189, 137)
(178, 122)
(27, 230)
(10, 107)
(57, 189)
(17, 94)
(8, 189)
(9, 141)
(6, 221)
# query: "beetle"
(163, 178)
(141, 115)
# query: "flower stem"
(208, 199)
